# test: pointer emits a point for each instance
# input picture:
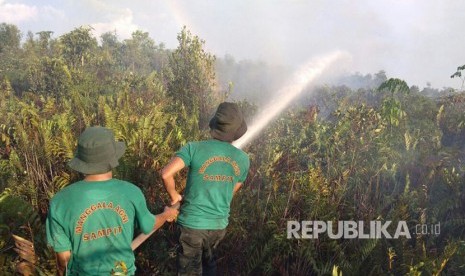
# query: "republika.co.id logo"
(347, 229)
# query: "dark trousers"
(196, 254)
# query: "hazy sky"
(418, 41)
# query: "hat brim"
(98, 168)
(227, 136)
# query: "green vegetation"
(387, 152)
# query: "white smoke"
(300, 80)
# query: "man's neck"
(222, 140)
(99, 177)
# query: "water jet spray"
(301, 79)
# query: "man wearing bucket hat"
(217, 170)
(91, 223)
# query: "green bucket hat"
(228, 123)
(97, 151)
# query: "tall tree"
(10, 37)
(79, 50)
(138, 52)
(78, 46)
(11, 58)
(458, 74)
(192, 82)
(111, 50)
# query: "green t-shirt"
(95, 220)
(214, 169)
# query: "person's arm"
(237, 187)
(167, 174)
(62, 261)
(169, 215)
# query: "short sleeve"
(144, 218)
(245, 172)
(56, 234)
(185, 153)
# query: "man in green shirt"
(217, 170)
(90, 223)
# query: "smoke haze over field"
(418, 41)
